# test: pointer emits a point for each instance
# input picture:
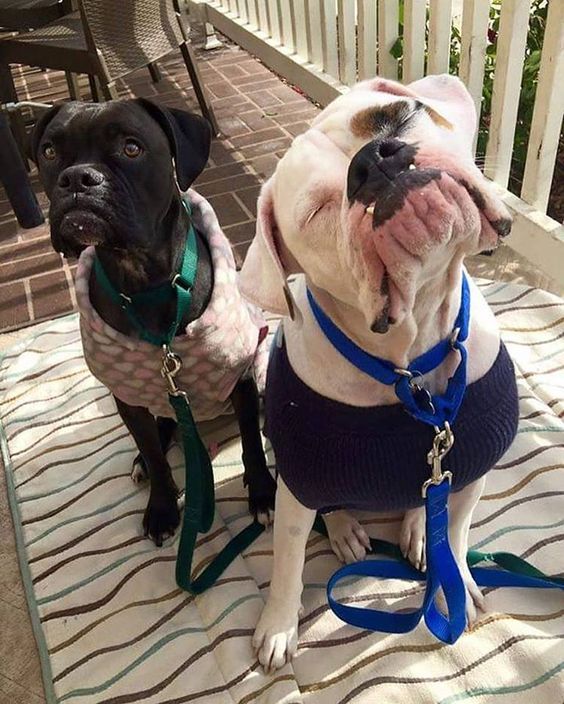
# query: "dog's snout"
(79, 178)
(375, 165)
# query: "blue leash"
(442, 570)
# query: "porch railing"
(324, 46)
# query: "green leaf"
(397, 49)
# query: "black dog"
(109, 174)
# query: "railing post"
(288, 34)
(547, 114)
(367, 38)
(346, 27)
(301, 28)
(329, 37)
(511, 43)
(388, 30)
(440, 21)
(475, 18)
(414, 18)
(314, 39)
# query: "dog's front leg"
(261, 486)
(276, 635)
(161, 515)
(461, 505)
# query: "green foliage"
(537, 22)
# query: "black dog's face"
(108, 170)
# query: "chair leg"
(108, 90)
(15, 180)
(155, 72)
(8, 94)
(199, 88)
(93, 88)
(72, 83)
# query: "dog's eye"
(48, 151)
(132, 149)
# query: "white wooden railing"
(324, 46)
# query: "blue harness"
(442, 570)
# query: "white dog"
(377, 204)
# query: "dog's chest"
(216, 349)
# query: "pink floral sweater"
(216, 349)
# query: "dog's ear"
(189, 136)
(445, 95)
(38, 130)
(262, 278)
(450, 98)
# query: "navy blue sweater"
(333, 455)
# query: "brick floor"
(258, 116)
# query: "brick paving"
(258, 116)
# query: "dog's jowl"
(116, 176)
(375, 206)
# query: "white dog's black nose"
(79, 178)
(377, 164)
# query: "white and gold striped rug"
(112, 627)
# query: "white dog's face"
(380, 195)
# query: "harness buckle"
(177, 280)
(171, 366)
(422, 396)
(442, 444)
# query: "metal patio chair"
(108, 40)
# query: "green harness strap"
(199, 484)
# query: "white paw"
(475, 601)
(275, 640)
(412, 538)
(349, 540)
(266, 518)
(138, 473)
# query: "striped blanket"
(112, 627)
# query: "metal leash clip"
(442, 444)
(172, 364)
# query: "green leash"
(199, 484)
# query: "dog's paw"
(262, 494)
(162, 516)
(412, 538)
(139, 471)
(349, 540)
(275, 640)
(475, 601)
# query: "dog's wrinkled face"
(380, 195)
(108, 170)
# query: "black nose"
(377, 164)
(79, 178)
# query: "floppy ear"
(445, 94)
(189, 136)
(450, 98)
(38, 130)
(262, 279)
